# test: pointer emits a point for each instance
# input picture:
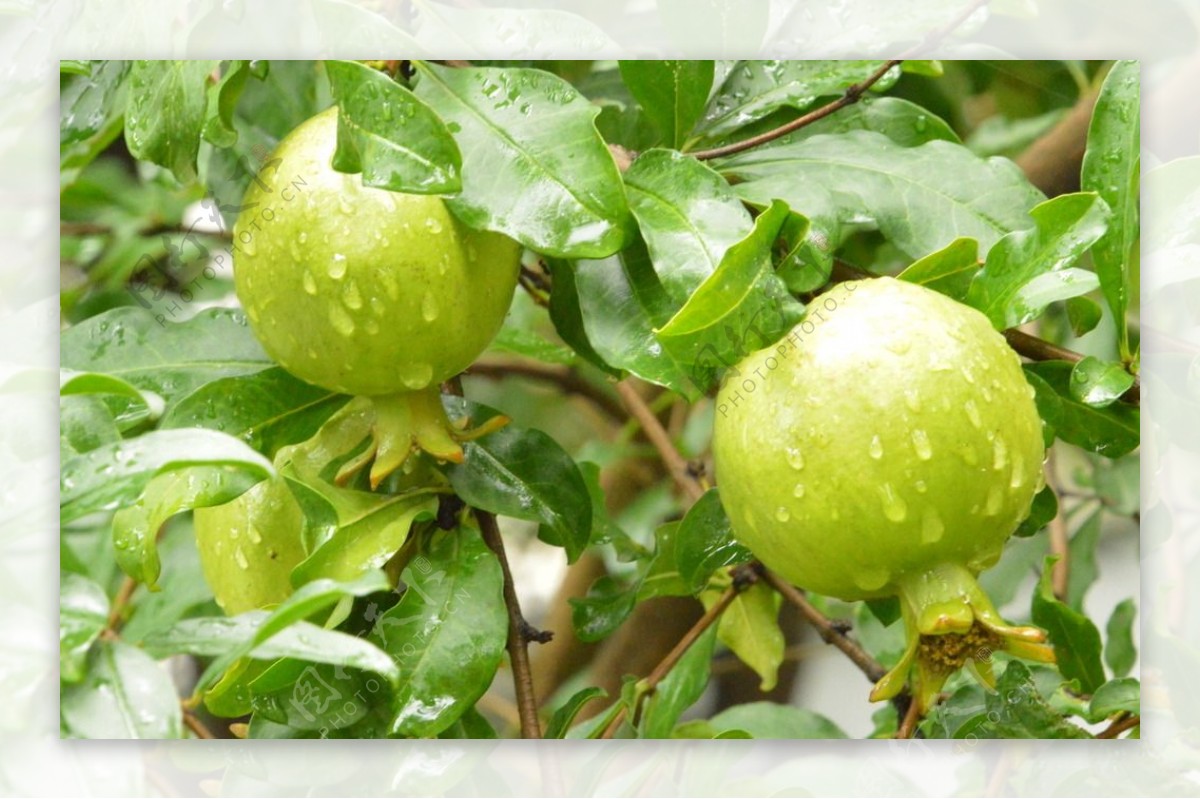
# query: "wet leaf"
(1076, 640)
(82, 614)
(165, 113)
(672, 93)
(125, 694)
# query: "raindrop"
(303, 237)
(876, 448)
(795, 458)
(310, 284)
(798, 491)
(337, 267)
(969, 455)
(390, 286)
(999, 453)
(995, 500)
(920, 486)
(899, 345)
(894, 506)
(351, 296)
(240, 557)
(372, 327)
(921, 444)
(973, 413)
(1018, 472)
(253, 534)
(912, 399)
(869, 579)
(782, 514)
(341, 320)
(432, 225)
(429, 308)
(417, 376)
(932, 527)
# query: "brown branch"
(850, 97)
(519, 631)
(1120, 725)
(664, 667)
(565, 377)
(120, 601)
(912, 717)
(1037, 349)
(829, 633)
(1059, 542)
(676, 464)
(196, 726)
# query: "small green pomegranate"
(249, 547)
(888, 446)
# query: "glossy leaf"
(750, 628)
(1076, 640)
(82, 614)
(525, 474)
(1083, 314)
(679, 690)
(84, 423)
(1119, 651)
(1116, 696)
(1028, 269)
(93, 110)
(165, 114)
(1016, 709)
(561, 721)
(948, 270)
(223, 96)
(769, 721)
(1041, 512)
(136, 526)
(672, 94)
(395, 140)
(1099, 383)
(144, 406)
(606, 606)
(1081, 553)
(754, 89)
(1112, 168)
(170, 359)
(688, 216)
(534, 166)
(117, 473)
(268, 409)
(1112, 431)
(125, 694)
(447, 633)
(904, 122)
(919, 198)
(704, 542)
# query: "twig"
(664, 667)
(1037, 349)
(829, 633)
(850, 97)
(124, 594)
(676, 464)
(1120, 725)
(196, 726)
(1059, 543)
(912, 716)
(565, 377)
(518, 629)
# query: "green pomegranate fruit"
(889, 446)
(248, 547)
(366, 291)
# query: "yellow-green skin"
(249, 547)
(891, 434)
(361, 290)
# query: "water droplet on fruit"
(871, 579)
(894, 506)
(999, 453)
(898, 345)
(970, 455)
(876, 448)
(341, 320)
(969, 375)
(433, 226)
(995, 500)
(920, 486)
(795, 458)
(337, 267)
(973, 413)
(798, 491)
(390, 286)
(912, 399)
(252, 312)
(351, 296)
(248, 246)
(417, 376)
(921, 444)
(429, 308)
(240, 557)
(310, 284)
(253, 534)
(932, 527)
(372, 327)
(1018, 472)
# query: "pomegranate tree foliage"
(642, 260)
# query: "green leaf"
(534, 166)
(1016, 709)
(679, 690)
(1113, 431)
(1028, 269)
(754, 89)
(688, 216)
(184, 590)
(170, 359)
(769, 721)
(742, 307)
(268, 409)
(371, 528)
(1082, 556)
(84, 423)
(672, 94)
(1112, 167)
(519, 341)
(919, 198)
(82, 614)
(165, 114)
(1041, 512)
(146, 404)
(904, 122)
(1049, 405)
(125, 695)
(395, 140)
(525, 474)
(704, 542)
(447, 633)
(560, 722)
(223, 98)
(93, 111)
(1083, 314)
(1099, 383)
(318, 697)
(948, 270)
(605, 608)
(1119, 651)
(750, 628)
(135, 527)
(1076, 640)
(1115, 696)
(567, 316)
(117, 473)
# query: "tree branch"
(829, 633)
(563, 376)
(1119, 725)
(1037, 349)
(676, 464)
(519, 631)
(850, 97)
(196, 725)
